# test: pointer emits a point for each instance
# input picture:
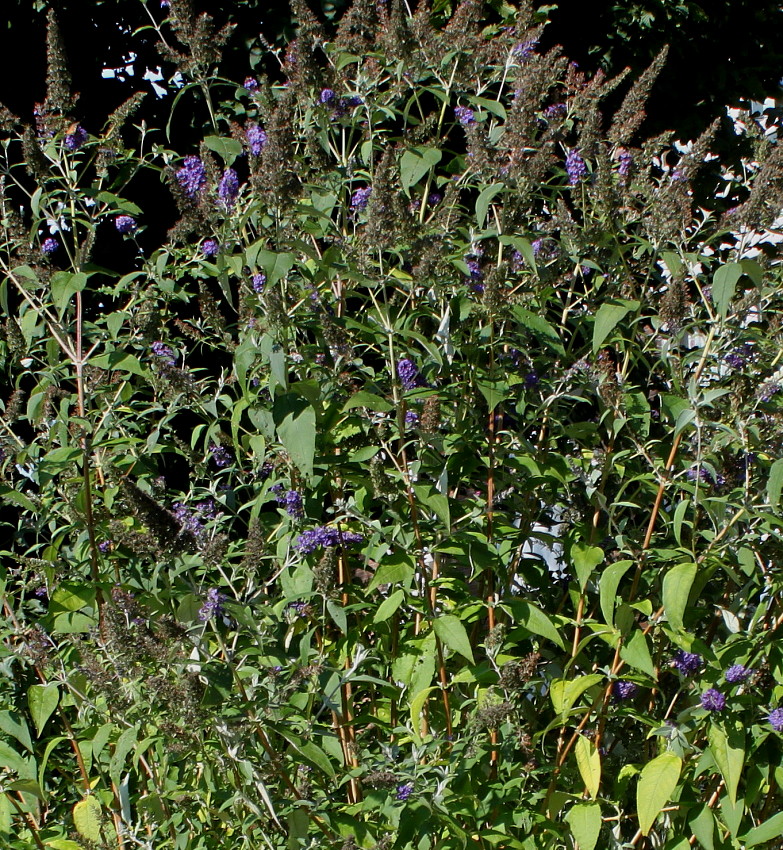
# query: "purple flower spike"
(256, 139)
(213, 605)
(575, 166)
(125, 224)
(162, 350)
(625, 160)
(623, 690)
(408, 374)
(465, 115)
(228, 188)
(325, 537)
(360, 198)
(74, 140)
(411, 417)
(210, 247)
(326, 96)
(221, 455)
(192, 176)
(50, 245)
(688, 663)
(736, 674)
(775, 719)
(258, 282)
(404, 791)
(713, 700)
(251, 84)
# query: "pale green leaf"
(775, 484)
(655, 788)
(588, 760)
(607, 318)
(451, 631)
(608, 584)
(728, 750)
(586, 559)
(42, 701)
(87, 819)
(724, 284)
(677, 585)
(584, 820)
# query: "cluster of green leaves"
(412, 495)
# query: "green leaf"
(584, 820)
(64, 844)
(679, 518)
(389, 606)
(677, 585)
(728, 750)
(483, 201)
(775, 484)
(607, 318)
(451, 631)
(527, 615)
(656, 785)
(120, 361)
(417, 706)
(724, 284)
(87, 819)
(6, 815)
(565, 692)
(125, 743)
(368, 400)
(540, 327)
(637, 653)
(8, 494)
(586, 559)
(588, 760)
(337, 613)
(296, 430)
(12, 724)
(435, 501)
(415, 163)
(226, 148)
(275, 266)
(702, 824)
(42, 701)
(768, 831)
(64, 286)
(494, 392)
(610, 581)
(392, 571)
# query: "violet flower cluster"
(125, 224)
(360, 198)
(408, 374)
(256, 139)
(221, 456)
(258, 282)
(325, 537)
(160, 349)
(192, 176)
(465, 115)
(575, 167)
(75, 139)
(713, 700)
(688, 663)
(228, 188)
(213, 605)
(737, 674)
(50, 245)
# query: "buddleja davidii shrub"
(466, 402)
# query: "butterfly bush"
(419, 481)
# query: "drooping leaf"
(677, 585)
(588, 760)
(607, 318)
(87, 818)
(775, 484)
(728, 750)
(42, 701)
(724, 284)
(586, 559)
(656, 785)
(584, 820)
(453, 633)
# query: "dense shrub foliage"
(422, 489)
